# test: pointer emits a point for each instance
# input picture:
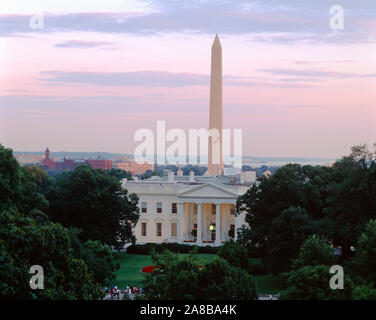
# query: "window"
(174, 229)
(144, 207)
(159, 207)
(214, 209)
(159, 229)
(232, 211)
(174, 208)
(143, 229)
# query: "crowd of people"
(114, 293)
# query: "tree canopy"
(235, 254)
(312, 283)
(94, 201)
(338, 200)
(182, 278)
(24, 243)
(73, 268)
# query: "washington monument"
(215, 161)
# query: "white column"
(180, 222)
(198, 223)
(186, 220)
(217, 224)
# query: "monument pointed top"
(216, 42)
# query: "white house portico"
(208, 211)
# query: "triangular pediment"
(208, 191)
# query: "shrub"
(174, 247)
(235, 254)
(256, 266)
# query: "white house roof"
(208, 190)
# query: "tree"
(10, 179)
(175, 278)
(287, 233)
(94, 202)
(40, 177)
(312, 283)
(235, 254)
(314, 251)
(24, 243)
(364, 262)
(364, 292)
(119, 174)
(96, 255)
(220, 281)
(100, 260)
(351, 200)
(181, 278)
(291, 186)
(149, 173)
(17, 186)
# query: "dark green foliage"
(339, 201)
(100, 260)
(10, 179)
(312, 283)
(94, 202)
(24, 243)
(148, 174)
(181, 278)
(235, 254)
(119, 174)
(220, 281)
(287, 233)
(314, 251)
(291, 186)
(310, 276)
(364, 262)
(96, 255)
(17, 185)
(27, 237)
(174, 247)
(256, 266)
(364, 292)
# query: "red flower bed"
(149, 269)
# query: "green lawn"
(131, 264)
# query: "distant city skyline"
(35, 156)
(100, 70)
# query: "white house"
(188, 209)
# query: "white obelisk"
(215, 161)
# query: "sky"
(97, 71)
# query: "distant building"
(67, 164)
(100, 164)
(47, 162)
(133, 167)
(70, 164)
(28, 159)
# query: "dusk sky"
(100, 70)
